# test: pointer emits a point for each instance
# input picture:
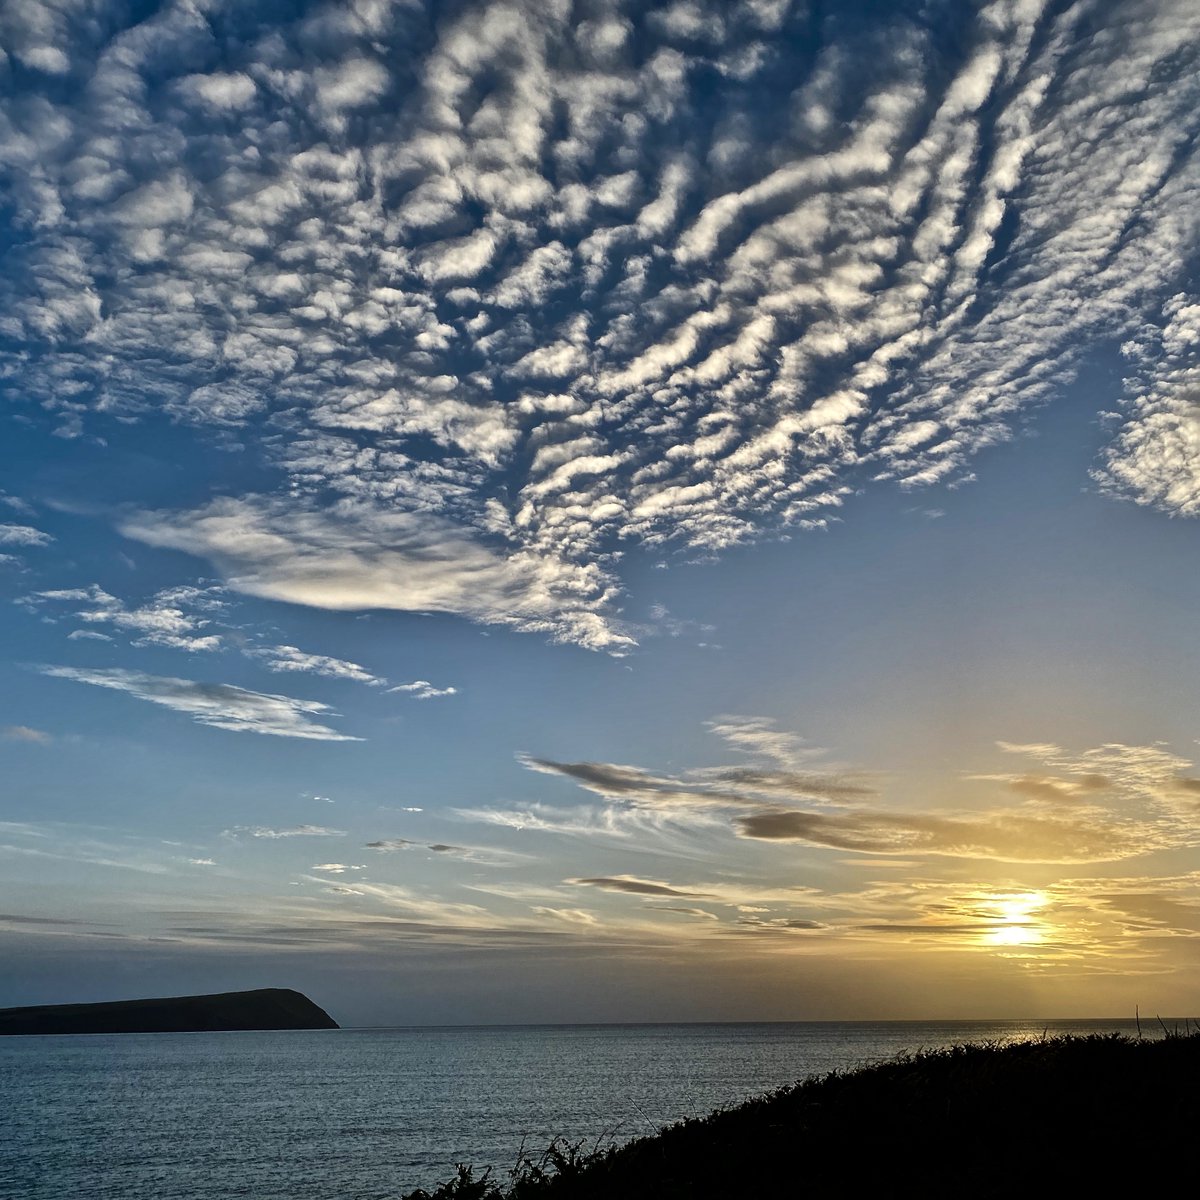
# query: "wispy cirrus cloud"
(620, 824)
(16, 503)
(61, 841)
(519, 287)
(220, 705)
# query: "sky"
(581, 510)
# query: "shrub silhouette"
(1063, 1116)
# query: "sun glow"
(1017, 924)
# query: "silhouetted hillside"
(1068, 1116)
(266, 1008)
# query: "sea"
(370, 1114)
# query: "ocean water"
(370, 1114)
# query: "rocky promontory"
(264, 1008)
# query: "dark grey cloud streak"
(503, 286)
(642, 887)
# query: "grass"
(1065, 1116)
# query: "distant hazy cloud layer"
(1050, 864)
(518, 283)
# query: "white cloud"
(422, 689)
(356, 556)
(758, 735)
(24, 733)
(162, 202)
(23, 535)
(292, 658)
(354, 83)
(46, 58)
(221, 91)
(573, 916)
(172, 617)
(220, 705)
(1155, 457)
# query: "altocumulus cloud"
(519, 286)
(220, 705)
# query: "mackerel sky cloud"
(363, 353)
(548, 281)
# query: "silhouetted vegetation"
(1069, 1116)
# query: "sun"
(1013, 935)
(1016, 920)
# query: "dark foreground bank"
(264, 1008)
(1070, 1116)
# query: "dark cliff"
(266, 1008)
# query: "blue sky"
(601, 511)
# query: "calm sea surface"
(368, 1114)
